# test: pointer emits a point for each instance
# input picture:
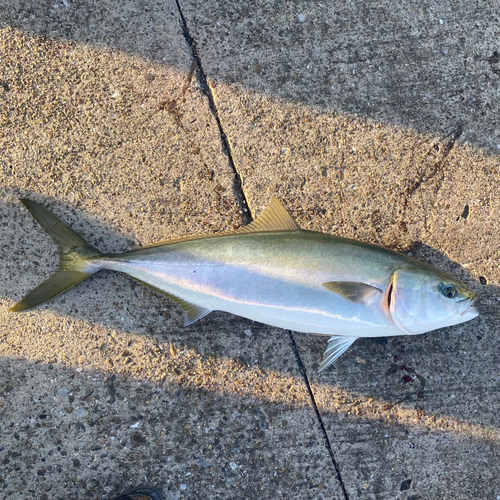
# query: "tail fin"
(74, 260)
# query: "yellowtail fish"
(274, 272)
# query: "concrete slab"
(407, 417)
(428, 67)
(192, 424)
(102, 389)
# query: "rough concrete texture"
(102, 388)
(414, 170)
(105, 118)
(429, 66)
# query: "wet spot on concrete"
(138, 439)
(405, 485)
(465, 213)
(494, 59)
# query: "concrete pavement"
(140, 122)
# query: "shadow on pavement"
(411, 371)
(432, 70)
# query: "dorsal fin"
(273, 218)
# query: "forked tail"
(75, 259)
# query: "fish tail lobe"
(75, 258)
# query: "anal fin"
(192, 312)
(336, 347)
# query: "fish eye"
(449, 291)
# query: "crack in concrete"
(203, 82)
(248, 217)
(328, 445)
(432, 165)
(426, 176)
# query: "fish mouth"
(467, 306)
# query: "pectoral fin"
(336, 347)
(353, 291)
(192, 312)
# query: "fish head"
(423, 299)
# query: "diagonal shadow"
(199, 429)
(137, 336)
(433, 71)
(137, 311)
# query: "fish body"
(271, 277)
(273, 272)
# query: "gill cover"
(404, 300)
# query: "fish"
(274, 272)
